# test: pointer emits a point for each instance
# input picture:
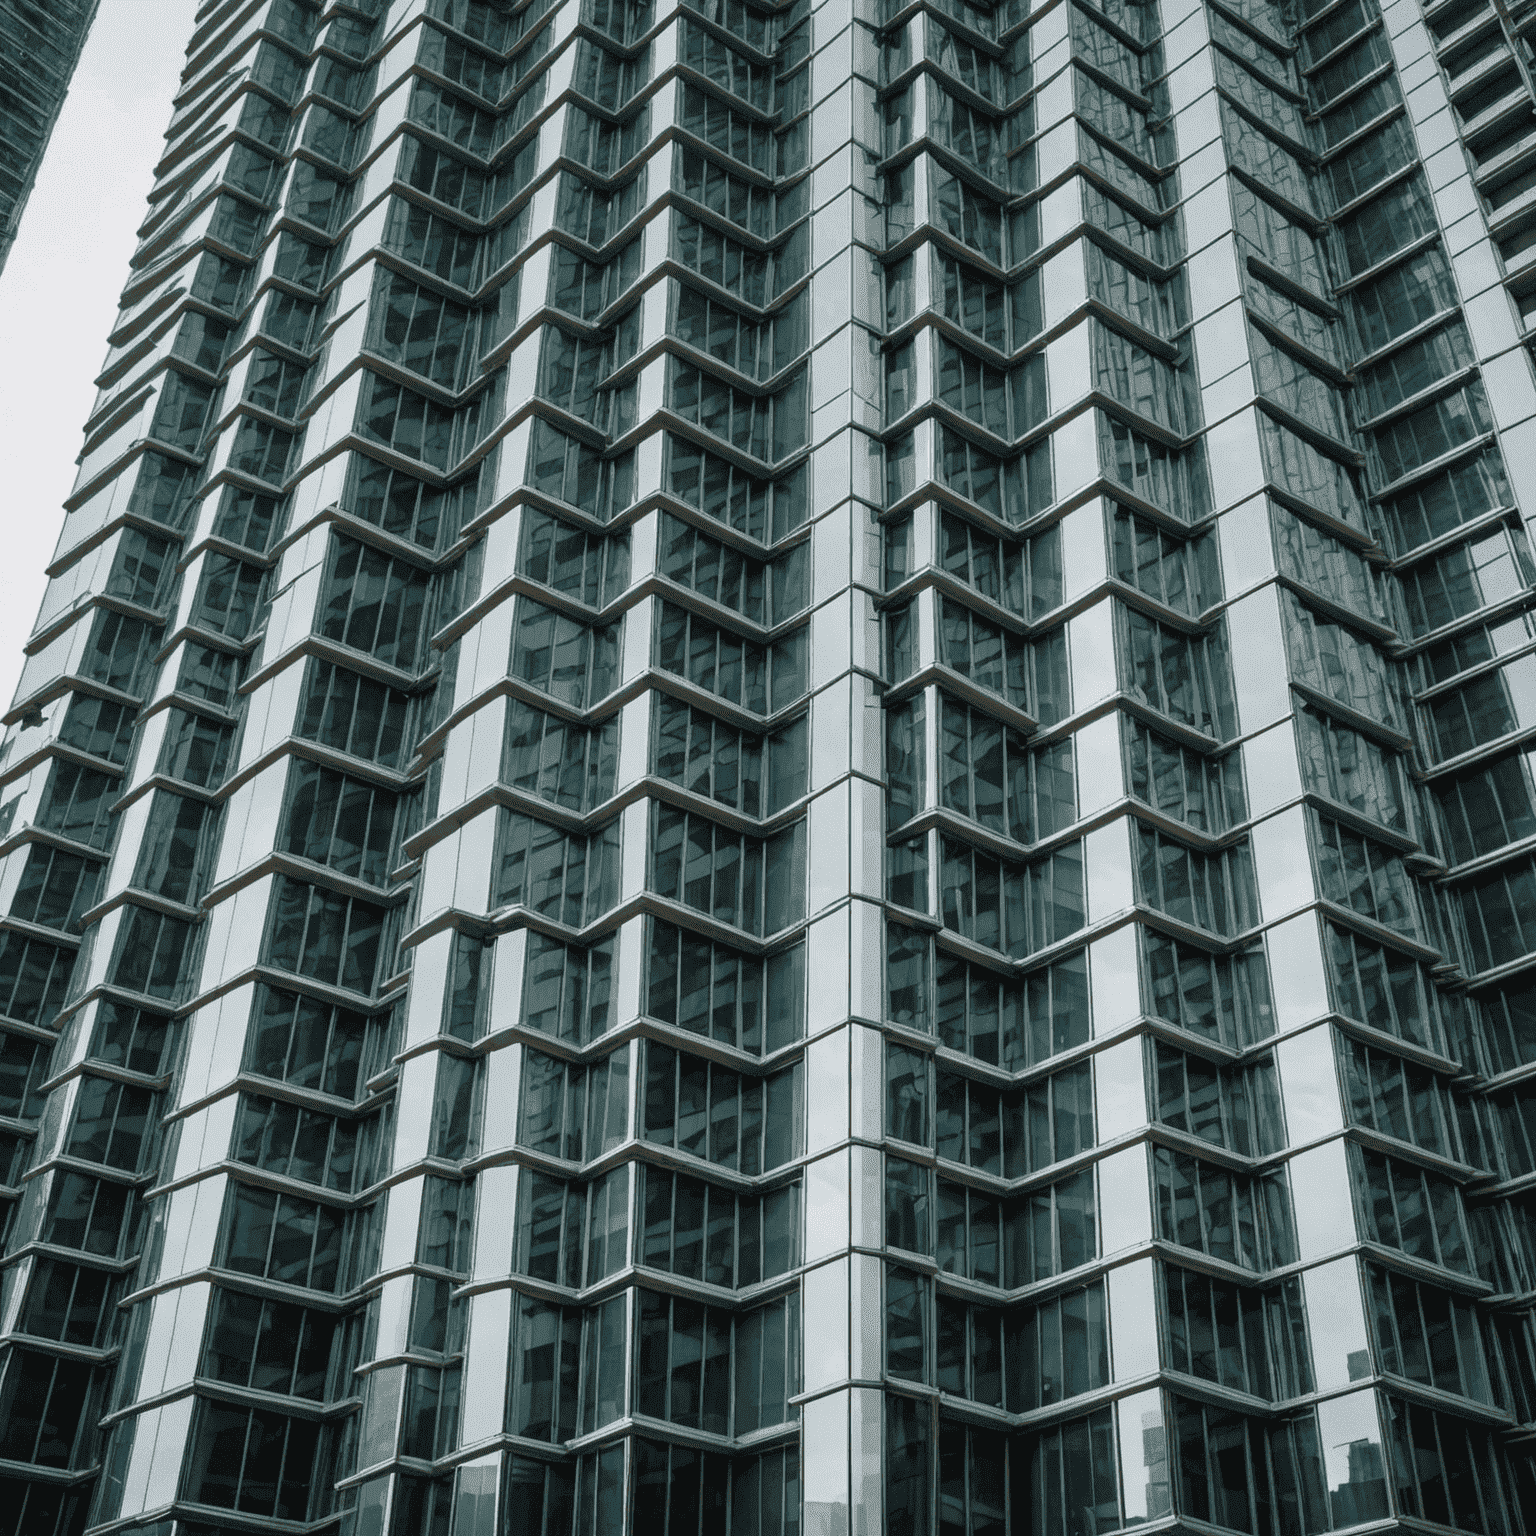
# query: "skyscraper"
(778, 779)
(40, 43)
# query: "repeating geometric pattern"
(776, 779)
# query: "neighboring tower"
(777, 780)
(40, 43)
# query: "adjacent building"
(778, 779)
(40, 43)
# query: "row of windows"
(754, 774)
(757, 884)
(750, 1124)
(756, 1005)
(701, 1231)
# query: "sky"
(59, 289)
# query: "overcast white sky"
(58, 292)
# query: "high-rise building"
(778, 779)
(40, 43)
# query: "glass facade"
(40, 43)
(776, 781)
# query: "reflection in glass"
(1144, 1458)
(1355, 1467)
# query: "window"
(407, 422)
(767, 427)
(174, 847)
(1218, 1331)
(273, 383)
(441, 176)
(316, 932)
(567, 989)
(756, 884)
(301, 1144)
(270, 1346)
(1182, 574)
(570, 1233)
(1340, 664)
(1244, 1221)
(586, 288)
(338, 820)
(1306, 473)
(767, 592)
(560, 875)
(281, 1237)
(751, 1124)
(572, 370)
(1395, 1098)
(562, 656)
(1381, 987)
(1139, 380)
(571, 1112)
(757, 349)
(710, 758)
(1500, 914)
(1206, 792)
(405, 506)
(761, 678)
(975, 1011)
(699, 1230)
(55, 887)
(571, 471)
(446, 1228)
(256, 1461)
(415, 326)
(1215, 891)
(1211, 1449)
(195, 749)
(151, 953)
(1186, 677)
(76, 804)
(990, 656)
(375, 604)
(1237, 1108)
(298, 1040)
(427, 239)
(588, 567)
(119, 651)
(210, 674)
(98, 727)
(456, 1108)
(1441, 502)
(1446, 1470)
(711, 989)
(595, 217)
(1427, 1334)
(85, 1213)
(685, 1356)
(1013, 910)
(23, 1070)
(70, 1303)
(111, 1122)
(1348, 766)
(127, 1037)
(1402, 1206)
(764, 510)
(354, 714)
(46, 1406)
(988, 775)
(545, 1374)
(229, 596)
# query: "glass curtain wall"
(775, 780)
